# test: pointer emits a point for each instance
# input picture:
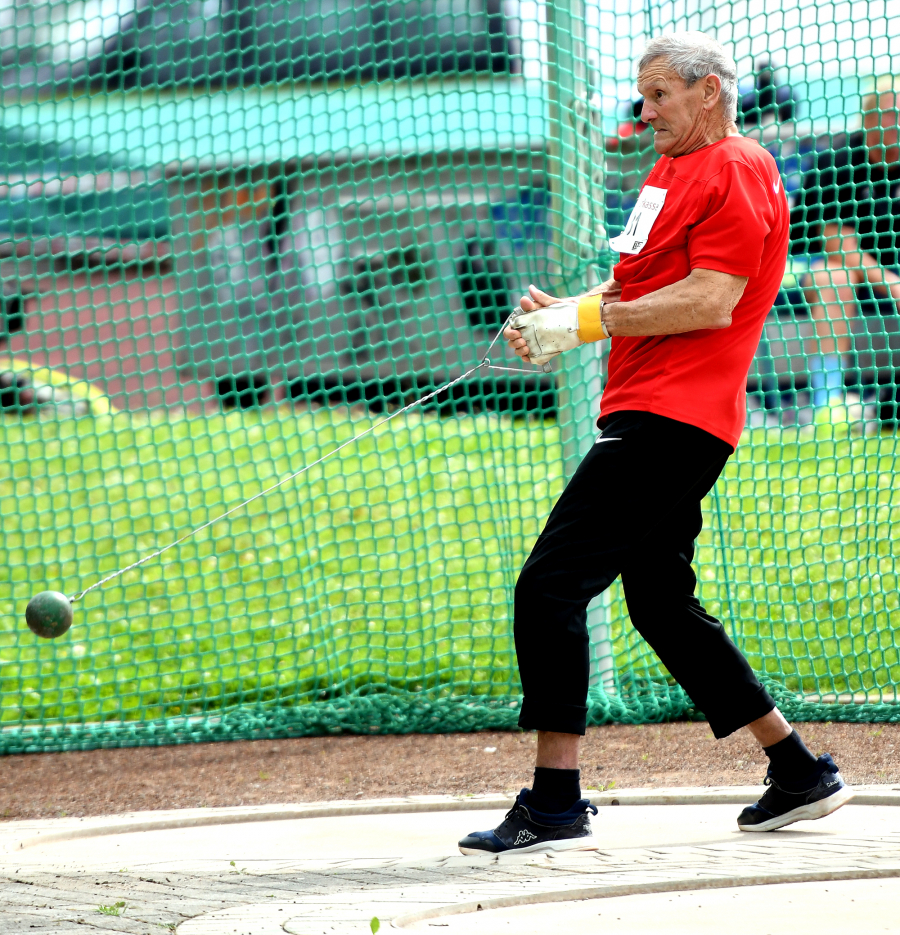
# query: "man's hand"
(546, 325)
(547, 331)
(535, 299)
(611, 290)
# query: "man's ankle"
(554, 790)
(792, 765)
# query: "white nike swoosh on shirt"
(776, 185)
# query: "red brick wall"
(117, 332)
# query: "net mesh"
(236, 234)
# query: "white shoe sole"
(547, 847)
(805, 813)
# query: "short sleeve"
(737, 215)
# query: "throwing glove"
(559, 327)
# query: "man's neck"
(712, 136)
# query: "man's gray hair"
(692, 56)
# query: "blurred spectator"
(848, 213)
(631, 128)
(769, 114)
(768, 101)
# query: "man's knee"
(550, 595)
(661, 576)
(533, 587)
(668, 612)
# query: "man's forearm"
(666, 311)
(704, 300)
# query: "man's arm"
(704, 299)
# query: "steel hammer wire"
(485, 362)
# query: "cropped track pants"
(631, 509)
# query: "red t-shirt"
(724, 209)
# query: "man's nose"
(648, 114)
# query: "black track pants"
(632, 509)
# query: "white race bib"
(643, 216)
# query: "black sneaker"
(526, 831)
(778, 808)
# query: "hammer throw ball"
(49, 614)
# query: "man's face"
(677, 113)
(882, 133)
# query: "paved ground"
(331, 868)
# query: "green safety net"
(233, 236)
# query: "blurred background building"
(227, 203)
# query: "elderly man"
(702, 258)
(849, 212)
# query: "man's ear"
(712, 91)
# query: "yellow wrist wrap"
(589, 327)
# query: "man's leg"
(659, 585)
(573, 559)
(639, 471)
(556, 750)
(770, 728)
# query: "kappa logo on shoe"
(523, 837)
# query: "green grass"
(390, 567)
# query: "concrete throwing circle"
(331, 869)
(691, 905)
(785, 909)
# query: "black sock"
(792, 765)
(554, 790)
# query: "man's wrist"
(603, 320)
(591, 326)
